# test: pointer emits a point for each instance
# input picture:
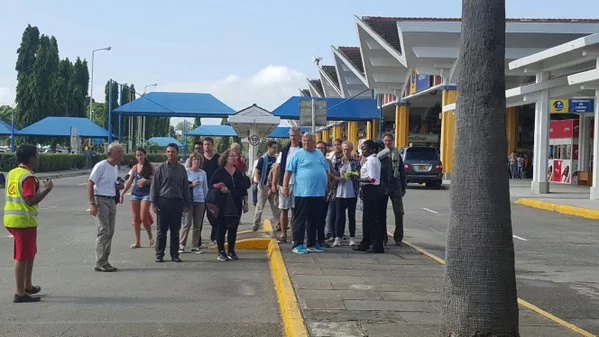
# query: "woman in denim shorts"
(140, 177)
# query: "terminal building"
(409, 65)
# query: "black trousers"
(169, 218)
(226, 226)
(374, 218)
(308, 217)
(341, 205)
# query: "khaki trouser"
(193, 219)
(263, 196)
(106, 219)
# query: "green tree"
(6, 113)
(79, 88)
(479, 290)
(63, 85)
(25, 75)
(115, 103)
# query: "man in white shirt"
(102, 193)
(286, 202)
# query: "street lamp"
(143, 118)
(91, 82)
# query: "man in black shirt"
(210, 165)
(261, 176)
(170, 196)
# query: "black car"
(423, 166)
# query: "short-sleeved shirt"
(260, 163)
(210, 165)
(292, 150)
(371, 169)
(104, 177)
(29, 185)
(310, 170)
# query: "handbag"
(212, 203)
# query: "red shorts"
(25, 243)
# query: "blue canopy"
(5, 129)
(283, 132)
(339, 109)
(61, 127)
(176, 104)
(164, 141)
(213, 130)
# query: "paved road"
(199, 297)
(557, 256)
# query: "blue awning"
(176, 104)
(61, 127)
(5, 129)
(164, 141)
(213, 131)
(339, 109)
(283, 132)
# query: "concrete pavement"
(199, 297)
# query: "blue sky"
(241, 51)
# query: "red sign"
(563, 129)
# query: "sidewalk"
(565, 199)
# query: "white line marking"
(430, 210)
(519, 238)
(82, 184)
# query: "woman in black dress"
(231, 190)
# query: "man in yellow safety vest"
(23, 194)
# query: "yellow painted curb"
(522, 302)
(293, 322)
(563, 209)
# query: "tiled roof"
(354, 56)
(318, 86)
(385, 28)
(305, 92)
(331, 71)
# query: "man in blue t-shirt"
(310, 174)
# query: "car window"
(421, 153)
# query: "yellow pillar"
(448, 131)
(402, 124)
(369, 130)
(375, 128)
(337, 132)
(318, 136)
(352, 133)
(512, 129)
(326, 135)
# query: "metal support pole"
(313, 121)
(110, 111)
(91, 90)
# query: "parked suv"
(423, 166)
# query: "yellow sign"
(559, 106)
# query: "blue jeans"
(255, 193)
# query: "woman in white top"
(372, 197)
(198, 182)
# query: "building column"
(595, 175)
(448, 131)
(318, 136)
(326, 136)
(337, 132)
(541, 140)
(584, 137)
(402, 124)
(369, 130)
(512, 129)
(352, 133)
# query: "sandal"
(135, 245)
(282, 239)
(151, 244)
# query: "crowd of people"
(309, 189)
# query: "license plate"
(422, 168)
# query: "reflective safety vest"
(17, 214)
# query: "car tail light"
(407, 168)
(439, 168)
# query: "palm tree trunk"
(479, 290)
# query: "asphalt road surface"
(199, 297)
(557, 256)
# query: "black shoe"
(26, 299)
(159, 259)
(361, 247)
(232, 255)
(108, 265)
(176, 259)
(34, 290)
(105, 269)
(325, 245)
(222, 256)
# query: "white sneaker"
(352, 241)
(181, 249)
(337, 242)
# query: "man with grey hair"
(102, 191)
(310, 171)
(285, 201)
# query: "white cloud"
(268, 88)
(7, 96)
